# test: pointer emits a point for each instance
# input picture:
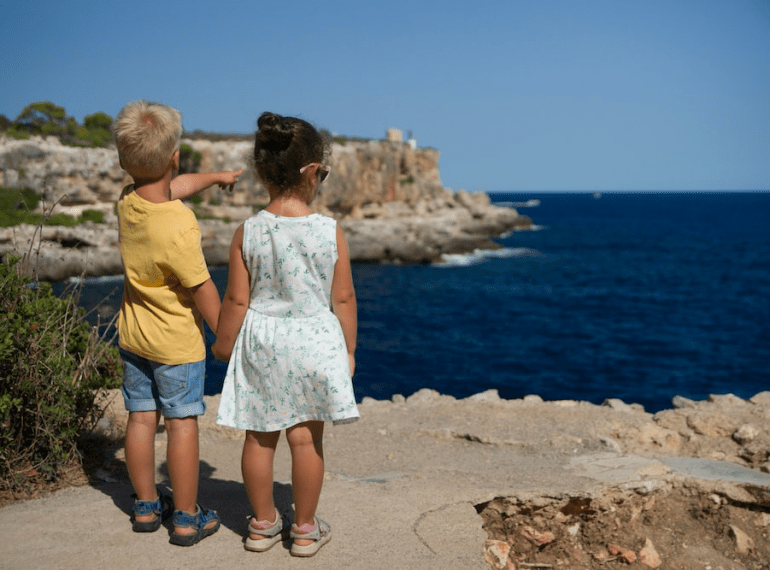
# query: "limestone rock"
(496, 555)
(746, 434)
(388, 197)
(743, 542)
(649, 556)
(711, 425)
(537, 537)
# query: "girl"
(291, 358)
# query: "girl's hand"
(352, 359)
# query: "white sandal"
(270, 534)
(320, 533)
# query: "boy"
(167, 289)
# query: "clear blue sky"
(518, 95)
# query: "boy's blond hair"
(147, 134)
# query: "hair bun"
(275, 134)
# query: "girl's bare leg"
(307, 470)
(257, 469)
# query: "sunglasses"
(323, 170)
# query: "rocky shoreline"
(387, 196)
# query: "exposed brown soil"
(681, 528)
(35, 485)
(95, 454)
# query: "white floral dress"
(290, 362)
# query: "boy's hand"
(228, 179)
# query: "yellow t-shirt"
(162, 258)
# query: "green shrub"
(195, 199)
(42, 117)
(97, 127)
(17, 134)
(51, 365)
(15, 206)
(98, 121)
(60, 220)
(15, 199)
(82, 133)
(189, 159)
(94, 216)
(100, 137)
(48, 119)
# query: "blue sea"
(638, 296)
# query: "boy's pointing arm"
(185, 185)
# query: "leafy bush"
(51, 364)
(98, 121)
(42, 118)
(17, 134)
(16, 208)
(189, 159)
(15, 199)
(47, 119)
(94, 216)
(60, 220)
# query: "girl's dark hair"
(282, 146)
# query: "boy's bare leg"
(140, 456)
(257, 470)
(182, 456)
(307, 471)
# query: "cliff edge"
(387, 196)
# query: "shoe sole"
(149, 526)
(191, 539)
(309, 549)
(263, 544)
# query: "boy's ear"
(175, 160)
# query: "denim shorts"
(176, 389)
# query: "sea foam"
(482, 256)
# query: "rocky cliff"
(388, 197)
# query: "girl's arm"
(185, 185)
(344, 297)
(236, 301)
